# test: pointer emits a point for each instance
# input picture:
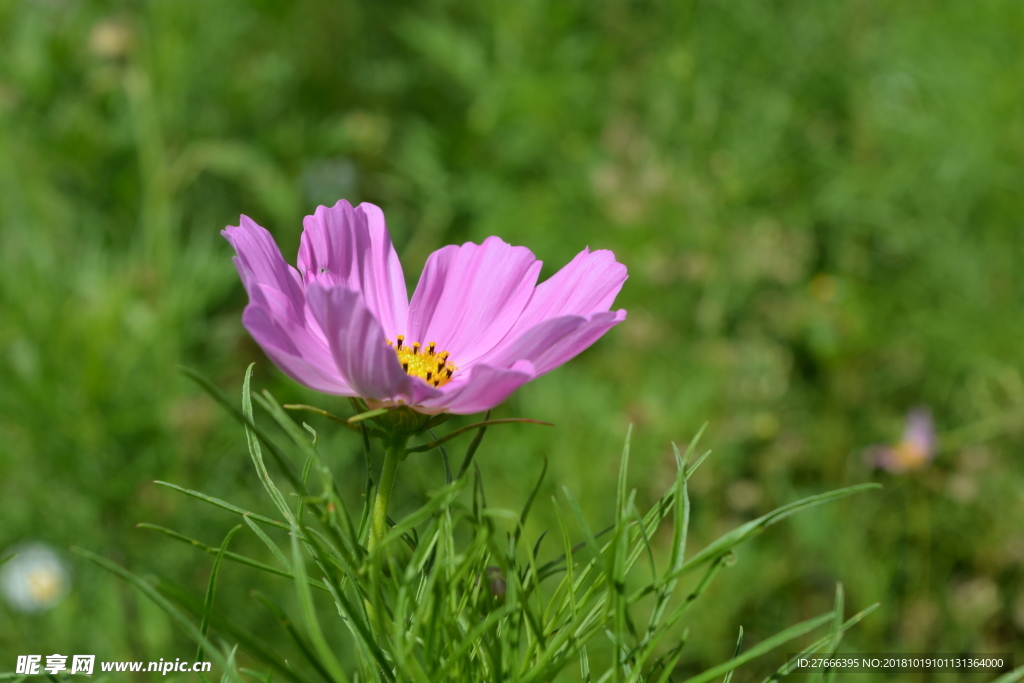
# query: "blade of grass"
(309, 617)
(367, 415)
(255, 647)
(735, 653)
(836, 634)
(234, 557)
(160, 601)
(764, 646)
(1011, 676)
(269, 543)
(343, 421)
(473, 445)
(581, 521)
(211, 588)
(788, 667)
(756, 526)
(529, 503)
(674, 656)
(444, 458)
(680, 527)
(217, 395)
(257, 453)
(289, 626)
(225, 505)
(476, 425)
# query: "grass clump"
(453, 591)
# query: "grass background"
(820, 205)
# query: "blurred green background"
(821, 206)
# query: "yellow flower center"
(426, 363)
(44, 585)
(911, 456)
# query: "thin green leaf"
(473, 445)
(476, 425)
(529, 503)
(231, 666)
(680, 526)
(698, 462)
(309, 617)
(367, 415)
(581, 521)
(160, 601)
(735, 653)
(620, 490)
(1011, 676)
(275, 551)
(790, 665)
(754, 527)
(764, 646)
(569, 564)
(258, 649)
(257, 454)
(217, 395)
(225, 505)
(343, 421)
(364, 517)
(211, 588)
(438, 500)
(289, 626)
(347, 547)
(836, 633)
(673, 656)
(234, 557)
(444, 458)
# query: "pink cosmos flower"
(478, 326)
(915, 449)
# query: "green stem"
(392, 455)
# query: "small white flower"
(36, 579)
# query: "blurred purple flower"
(477, 328)
(915, 449)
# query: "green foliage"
(446, 596)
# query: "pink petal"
(359, 349)
(920, 430)
(555, 341)
(259, 261)
(483, 388)
(587, 284)
(470, 296)
(276, 314)
(351, 247)
(279, 345)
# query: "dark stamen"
(405, 367)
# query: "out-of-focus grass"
(821, 207)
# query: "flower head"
(478, 326)
(35, 579)
(915, 449)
